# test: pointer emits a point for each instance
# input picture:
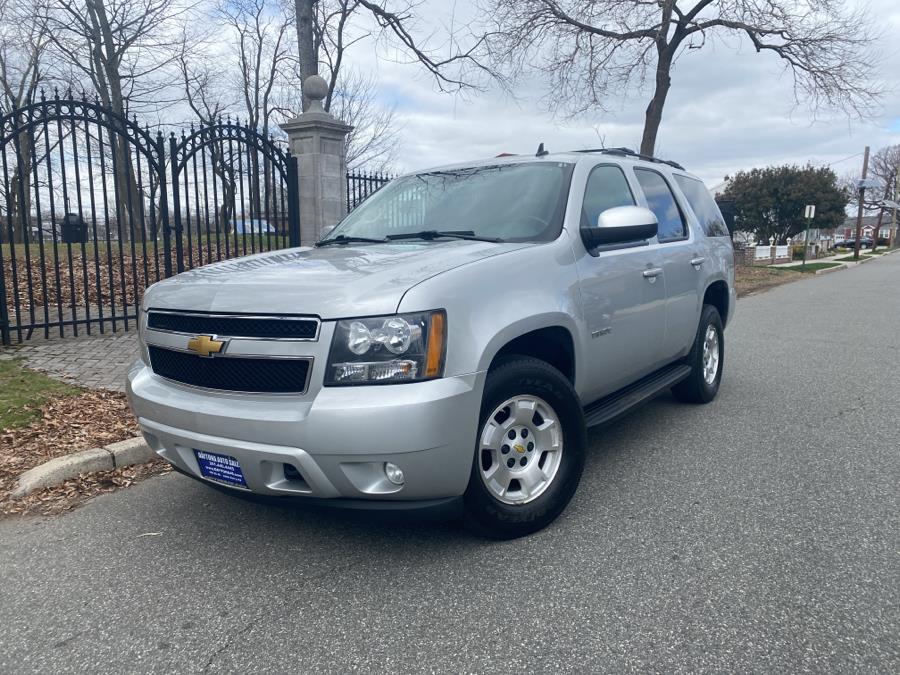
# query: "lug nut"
(504, 449)
(523, 461)
(530, 447)
(524, 433)
(511, 435)
(510, 462)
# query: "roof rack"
(628, 152)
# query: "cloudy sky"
(729, 109)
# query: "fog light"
(394, 473)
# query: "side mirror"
(620, 225)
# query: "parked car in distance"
(252, 226)
(447, 345)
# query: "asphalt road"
(759, 533)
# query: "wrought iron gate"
(95, 207)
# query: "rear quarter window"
(703, 206)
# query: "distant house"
(869, 223)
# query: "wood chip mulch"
(69, 424)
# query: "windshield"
(512, 202)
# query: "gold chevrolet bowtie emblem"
(206, 345)
(519, 448)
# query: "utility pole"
(859, 213)
(893, 242)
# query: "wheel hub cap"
(710, 355)
(520, 449)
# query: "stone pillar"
(317, 140)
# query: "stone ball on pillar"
(315, 88)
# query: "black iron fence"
(94, 207)
(362, 184)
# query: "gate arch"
(251, 183)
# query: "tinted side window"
(704, 206)
(606, 187)
(662, 202)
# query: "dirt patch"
(67, 424)
(749, 280)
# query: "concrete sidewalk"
(833, 258)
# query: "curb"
(114, 456)
(829, 270)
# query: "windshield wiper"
(344, 239)
(429, 235)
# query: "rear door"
(623, 295)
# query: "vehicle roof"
(569, 157)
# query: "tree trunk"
(19, 198)
(306, 42)
(653, 117)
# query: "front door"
(680, 261)
(623, 293)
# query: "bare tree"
(372, 143)
(23, 49)
(326, 28)
(262, 52)
(593, 49)
(122, 50)
(884, 167)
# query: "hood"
(331, 282)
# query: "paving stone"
(97, 362)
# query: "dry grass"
(749, 280)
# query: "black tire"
(514, 376)
(695, 388)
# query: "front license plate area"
(223, 469)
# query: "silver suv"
(448, 343)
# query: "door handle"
(697, 262)
(652, 273)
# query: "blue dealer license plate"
(220, 468)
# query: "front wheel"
(706, 359)
(530, 449)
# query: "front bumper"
(337, 438)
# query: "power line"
(845, 159)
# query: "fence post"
(176, 204)
(4, 312)
(318, 142)
(293, 204)
(163, 203)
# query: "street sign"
(810, 211)
(866, 183)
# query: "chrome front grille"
(266, 354)
(235, 325)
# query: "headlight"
(142, 335)
(388, 349)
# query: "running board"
(620, 402)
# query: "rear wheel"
(529, 453)
(706, 359)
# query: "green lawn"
(816, 266)
(849, 258)
(23, 392)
